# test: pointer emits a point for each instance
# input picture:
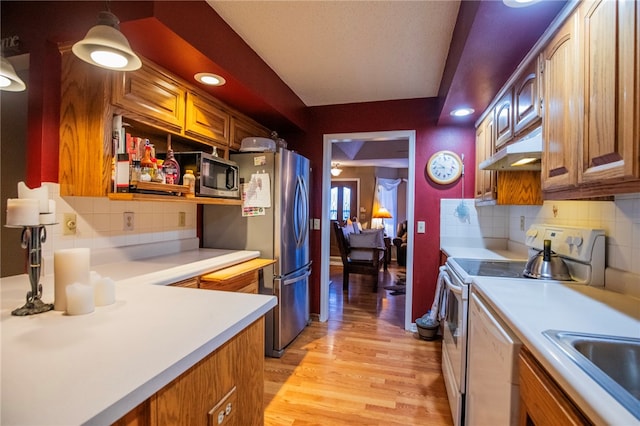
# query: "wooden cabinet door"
(526, 98)
(485, 143)
(504, 119)
(241, 129)
(150, 96)
(205, 120)
(234, 373)
(85, 148)
(561, 109)
(542, 402)
(610, 91)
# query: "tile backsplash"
(100, 224)
(620, 219)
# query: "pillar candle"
(49, 218)
(79, 299)
(104, 291)
(23, 212)
(41, 194)
(69, 266)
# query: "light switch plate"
(421, 227)
(316, 223)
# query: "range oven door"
(454, 342)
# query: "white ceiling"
(335, 52)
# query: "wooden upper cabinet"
(85, 151)
(526, 98)
(485, 146)
(244, 128)
(504, 118)
(561, 116)
(151, 96)
(610, 91)
(206, 120)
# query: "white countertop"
(94, 368)
(530, 307)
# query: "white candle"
(49, 218)
(23, 212)
(104, 291)
(69, 266)
(79, 299)
(41, 194)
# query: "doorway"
(344, 198)
(328, 140)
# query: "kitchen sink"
(612, 361)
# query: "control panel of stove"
(577, 243)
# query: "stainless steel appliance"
(215, 176)
(280, 231)
(582, 249)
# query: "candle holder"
(32, 239)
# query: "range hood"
(525, 154)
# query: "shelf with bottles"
(140, 164)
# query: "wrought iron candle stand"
(32, 239)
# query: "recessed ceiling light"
(462, 112)
(209, 79)
(519, 3)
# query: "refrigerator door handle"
(301, 214)
(293, 280)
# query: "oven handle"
(449, 283)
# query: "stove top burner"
(493, 268)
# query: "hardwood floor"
(358, 368)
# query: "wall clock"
(444, 167)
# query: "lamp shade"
(106, 47)
(382, 213)
(335, 171)
(9, 80)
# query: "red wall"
(413, 114)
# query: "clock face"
(444, 167)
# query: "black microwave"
(215, 176)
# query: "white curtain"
(387, 196)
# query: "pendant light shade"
(9, 80)
(106, 47)
(335, 171)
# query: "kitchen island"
(93, 369)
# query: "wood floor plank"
(358, 368)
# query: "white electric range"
(582, 249)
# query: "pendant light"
(106, 47)
(335, 171)
(9, 80)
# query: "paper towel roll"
(69, 266)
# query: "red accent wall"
(412, 114)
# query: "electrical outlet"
(522, 223)
(181, 219)
(69, 224)
(128, 221)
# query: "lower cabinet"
(224, 388)
(542, 402)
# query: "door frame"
(328, 140)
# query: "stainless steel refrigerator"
(280, 231)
